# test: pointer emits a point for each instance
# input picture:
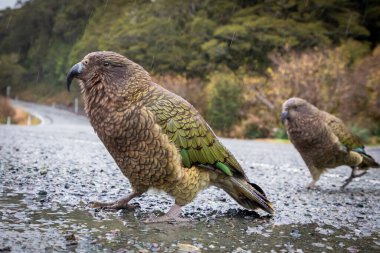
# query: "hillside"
(236, 61)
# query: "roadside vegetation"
(235, 61)
(12, 115)
(6, 110)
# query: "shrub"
(280, 133)
(363, 133)
(6, 110)
(224, 99)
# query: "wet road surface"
(50, 172)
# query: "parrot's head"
(105, 70)
(297, 108)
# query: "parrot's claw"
(346, 182)
(172, 216)
(311, 186)
(117, 205)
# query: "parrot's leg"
(173, 215)
(315, 174)
(352, 176)
(119, 204)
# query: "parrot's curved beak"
(284, 116)
(74, 72)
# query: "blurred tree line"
(235, 60)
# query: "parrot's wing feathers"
(349, 140)
(193, 137)
(345, 136)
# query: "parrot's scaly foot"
(311, 186)
(172, 216)
(352, 176)
(117, 205)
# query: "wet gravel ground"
(49, 173)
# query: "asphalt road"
(49, 172)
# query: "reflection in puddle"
(26, 226)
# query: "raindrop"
(38, 76)
(348, 25)
(89, 15)
(232, 39)
(151, 65)
(9, 21)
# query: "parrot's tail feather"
(258, 188)
(369, 162)
(249, 195)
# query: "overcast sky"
(7, 3)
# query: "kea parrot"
(157, 139)
(323, 140)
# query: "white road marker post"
(8, 91)
(76, 105)
(29, 121)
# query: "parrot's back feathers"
(350, 141)
(190, 132)
(200, 147)
(340, 130)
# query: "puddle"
(26, 226)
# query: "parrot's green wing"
(345, 136)
(187, 129)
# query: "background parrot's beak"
(284, 116)
(74, 72)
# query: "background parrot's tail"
(368, 162)
(249, 195)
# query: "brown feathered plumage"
(157, 139)
(323, 140)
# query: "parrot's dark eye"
(106, 64)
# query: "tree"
(225, 94)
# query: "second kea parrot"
(323, 140)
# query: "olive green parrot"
(157, 138)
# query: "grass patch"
(21, 117)
(16, 115)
